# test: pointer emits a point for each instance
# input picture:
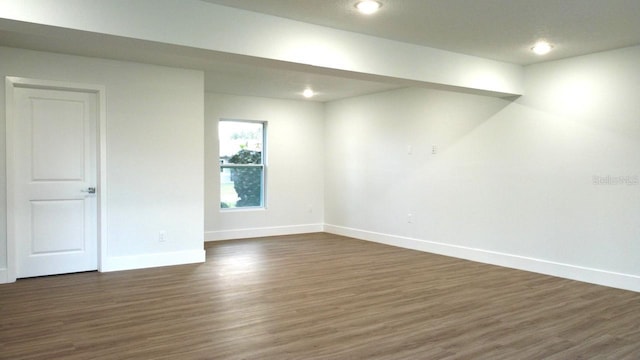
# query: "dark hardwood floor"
(317, 296)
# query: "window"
(242, 163)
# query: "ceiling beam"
(209, 27)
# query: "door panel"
(55, 219)
(58, 157)
(57, 226)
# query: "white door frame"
(11, 83)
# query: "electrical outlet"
(162, 236)
(410, 218)
(434, 149)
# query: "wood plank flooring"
(317, 296)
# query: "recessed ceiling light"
(541, 48)
(368, 7)
(308, 93)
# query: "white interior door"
(54, 172)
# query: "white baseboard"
(262, 232)
(118, 263)
(567, 271)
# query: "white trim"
(12, 82)
(262, 232)
(567, 271)
(4, 276)
(9, 108)
(102, 176)
(119, 263)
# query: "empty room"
(329, 179)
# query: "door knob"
(90, 190)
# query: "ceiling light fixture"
(541, 48)
(368, 7)
(308, 93)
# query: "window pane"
(228, 194)
(241, 187)
(241, 164)
(241, 142)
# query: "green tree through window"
(242, 168)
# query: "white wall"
(222, 29)
(512, 183)
(295, 162)
(155, 146)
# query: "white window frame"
(263, 166)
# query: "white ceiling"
(501, 30)
(224, 73)
(496, 29)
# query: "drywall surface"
(294, 175)
(549, 182)
(154, 153)
(202, 25)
